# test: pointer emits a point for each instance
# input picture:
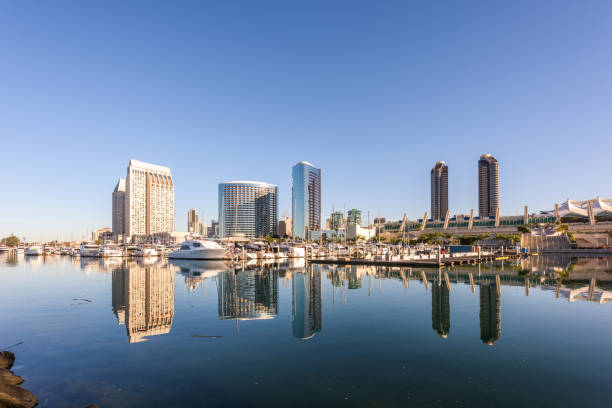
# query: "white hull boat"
(206, 250)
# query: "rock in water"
(6, 359)
(12, 396)
(7, 377)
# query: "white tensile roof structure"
(571, 207)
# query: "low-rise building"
(354, 231)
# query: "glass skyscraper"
(306, 199)
(248, 208)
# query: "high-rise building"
(337, 220)
(439, 191)
(284, 227)
(149, 199)
(488, 186)
(119, 208)
(490, 313)
(193, 224)
(354, 216)
(306, 304)
(213, 231)
(305, 199)
(248, 208)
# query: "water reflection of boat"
(202, 269)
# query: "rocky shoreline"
(12, 395)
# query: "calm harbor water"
(191, 333)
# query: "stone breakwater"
(12, 395)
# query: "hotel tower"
(149, 199)
(248, 208)
(439, 191)
(488, 186)
(306, 199)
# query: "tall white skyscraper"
(119, 208)
(149, 199)
(305, 199)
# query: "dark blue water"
(170, 334)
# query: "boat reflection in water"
(143, 290)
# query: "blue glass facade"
(306, 199)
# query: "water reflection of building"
(249, 294)
(490, 313)
(306, 304)
(440, 308)
(143, 300)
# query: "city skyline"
(508, 79)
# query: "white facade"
(149, 199)
(355, 230)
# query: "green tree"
(11, 241)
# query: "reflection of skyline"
(306, 304)
(440, 308)
(490, 313)
(253, 293)
(143, 300)
(249, 294)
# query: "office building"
(439, 191)
(305, 199)
(354, 216)
(213, 231)
(337, 220)
(284, 227)
(248, 208)
(488, 186)
(193, 224)
(306, 303)
(149, 199)
(119, 208)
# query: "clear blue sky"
(372, 92)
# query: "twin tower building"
(488, 188)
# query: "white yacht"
(89, 250)
(146, 251)
(199, 250)
(34, 250)
(110, 251)
(4, 248)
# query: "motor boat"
(194, 249)
(110, 251)
(34, 250)
(146, 251)
(89, 250)
(49, 250)
(4, 248)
